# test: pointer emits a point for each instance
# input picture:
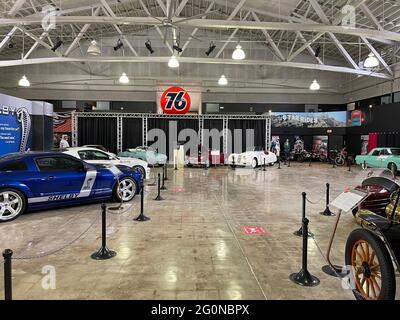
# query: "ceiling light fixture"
(238, 53)
(57, 44)
(211, 48)
(119, 45)
(24, 82)
(173, 62)
(149, 47)
(94, 49)
(123, 79)
(371, 61)
(315, 86)
(223, 81)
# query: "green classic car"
(151, 156)
(381, 158)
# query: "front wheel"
(254, 163)
(141, 170)
(125, 190)
(12, 204)
(371, 266)
(339, 161)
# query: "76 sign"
(175, 100)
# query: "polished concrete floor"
(194, 246)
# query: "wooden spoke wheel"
(371, 266)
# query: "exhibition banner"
(16, 116)
(309, 119)
(15, 124)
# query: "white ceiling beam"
(321, 14)
(181, 7)
(269, 39)
(214, 24)
(34, 46)
(7, 38)
(80, 34)
(162, 6)
(371, 16)
(111, 13)
(193, 60)
(16, 7)
(196, 29)
(155, 25)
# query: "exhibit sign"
(175, 100)
(179, 98)
(348, 200)
(309, 119)
(15, 124)
(253, 230)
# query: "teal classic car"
(151, 156)
(381, 158)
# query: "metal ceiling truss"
(300, 21)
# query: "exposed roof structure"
(300, 35)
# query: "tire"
(322, 158)
(363, 246)
(12, 204)
(141, 170)
(300, 158)
(254, 163)
(339, 161)
(125, 190)
(392, 167)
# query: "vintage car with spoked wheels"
(372, 252)
(41, 180)
(255, 158)
(148, 154)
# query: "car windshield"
(395, 152)
(376, 172)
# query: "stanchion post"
(159, 198)
(327, 212)
(289, 162)
(349, 161)
(142, 217)
(163, 187)
(299, 232)
(233, 162)
(264, 165)
(304, 277)
(103, 253)
(165, 172)
(279, 162)
(309, 164)
(7, 255)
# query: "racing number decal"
(175, 100)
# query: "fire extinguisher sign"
(175, 100)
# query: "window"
(15, 166)
(59, 164)
(383, 152)
(395, 152)
(375, 153)
(93, 155)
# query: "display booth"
(25, 125)
(119, 131)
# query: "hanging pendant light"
(24, 82)
(238, 53)
(315, 86)
(94, 49)
(371, 61)
(223, 81)
(123, 79)
(173, 62)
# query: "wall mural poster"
(320, 145)
(309, 119)
(276, 145)
(364, 144)
(356, 118)
(15, 129)
(62, 127)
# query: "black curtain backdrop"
(98, 130)
(217, 124)
(259, 132)
(132, 133)
(163, 124)
(391, 139)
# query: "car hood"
(133, 162)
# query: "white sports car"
(96, 156)
(254, 158)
